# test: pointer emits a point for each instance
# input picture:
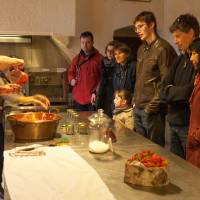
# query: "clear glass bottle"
(98, 127)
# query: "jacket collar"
(125, 66)
(121, 109)
(148, 46)
(94, 51)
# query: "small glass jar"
(82, 128)
(68, 128)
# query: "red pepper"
(23, 79)
(149, 159)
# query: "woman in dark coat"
(124, 76)
(105, 91)
(193, 142)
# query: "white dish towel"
(59, 175)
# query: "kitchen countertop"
(184, 178)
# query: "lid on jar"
(99, 118)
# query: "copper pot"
(34, 126)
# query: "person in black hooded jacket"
(105, 91)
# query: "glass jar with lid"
(100, 124)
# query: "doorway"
(128, 36)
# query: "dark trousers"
(85, 107)
(178, 140)
(152, 126)
(1, 151)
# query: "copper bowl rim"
(13, 117)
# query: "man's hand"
(166, 89)
(93, 98)
(44, 101)
(153, 106)
(37, 100)
(73, 82)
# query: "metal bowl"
(34, 126)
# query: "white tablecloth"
(59, 175)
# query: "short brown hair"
(124, 95)
(184, 23)
(147, 17)
(111, 43)
(120, 46)
(87, 34)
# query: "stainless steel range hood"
(15, 39)
(44, 63)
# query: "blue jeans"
(178, 140)
(152, 126)
(84, 107)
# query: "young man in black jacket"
(178, 84)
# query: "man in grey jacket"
(154, 58)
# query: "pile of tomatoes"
(149, 159)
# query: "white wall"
(102, 17)
(69, 18)
(37, 16)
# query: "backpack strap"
(78, 64)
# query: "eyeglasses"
(109, 50)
